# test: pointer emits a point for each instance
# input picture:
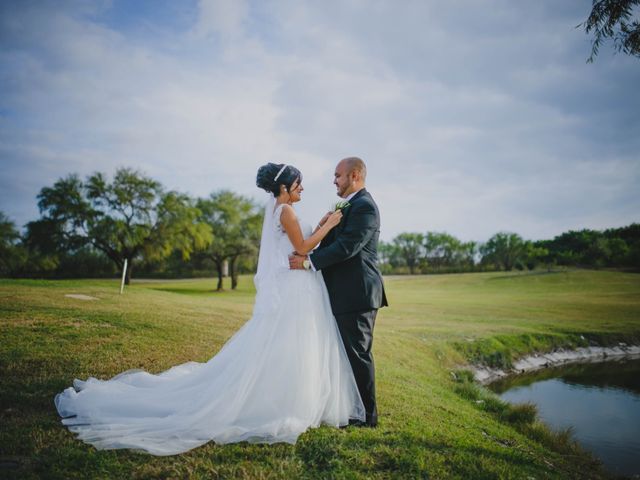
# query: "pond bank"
(529, 363)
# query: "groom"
(348, 258)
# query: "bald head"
(355, 164)
(349, 176)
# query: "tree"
(439, 249)
(388, 257)
(504, 250)
(12, 256)
(618, 252)
(468, 251)
(130, 218)
(575, 247)
(534, 254)
(245, 237)
(410, 248)
(613, 19)
(236, 222)
(627, 254)
(446, 251)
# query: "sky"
(473, 117)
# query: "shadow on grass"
(321, 453)
(189, 291)
(526, 274)
(405, 455)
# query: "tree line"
(87, 228)
(434, 252)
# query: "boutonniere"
(341, 205)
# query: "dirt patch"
(79, 296)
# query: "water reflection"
(599, 401)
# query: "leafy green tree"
(630, 234)
(12, 255)
(633, 258)
(574, 248)
(9, 235)
(45, 243)
(446, 251)
(598, 253)
(504, 250)
(410, 247)
(615, 247)
(130, 218)
(618, 252)
(245, 238)
(468, 251)
(236, 222)
(439, 249)
(534, 255)
(388, 257)
(614, 19)
(627, 255)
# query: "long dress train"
(283, 372)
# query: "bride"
(283, 372)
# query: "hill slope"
(434, 423)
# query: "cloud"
(472, 118)
(221, 17)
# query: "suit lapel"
(346, 212)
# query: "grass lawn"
(433, 423)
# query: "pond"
(600, 402)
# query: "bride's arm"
(322, 221)
(294, 232)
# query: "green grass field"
(434, 423)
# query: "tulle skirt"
(284, 371)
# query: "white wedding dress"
(284, 371)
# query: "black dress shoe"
(360, 423)
(352, 423)
(372, 422)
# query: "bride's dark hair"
(267, 174)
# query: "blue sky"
(473, 117)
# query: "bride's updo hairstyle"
(286, 175)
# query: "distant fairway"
(430, 425)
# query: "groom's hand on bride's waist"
(296, 261)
